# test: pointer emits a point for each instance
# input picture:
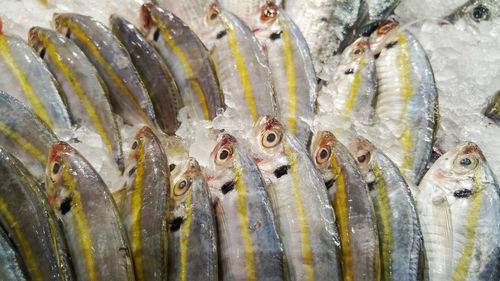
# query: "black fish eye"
(134, 145)
(361, 158)
(271, 137)
(182, 185)
(465, 162)
(55, 168)
(480, 13)
(323, 154)
(156, 35)
(224, 154)
(213, 16)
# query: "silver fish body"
(97, 240)
(26, 77)
(26, 216)
(24, 135)
(11, 264)
(305, 217)
(400, 236)
(83, 88)
(154, 73)
(127, 93)
(459, 205)
(250, 248)
(353, 207)
(192, 228)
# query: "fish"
(249, 244)
(192, 233)
(475, 11)
(97, 240)
(154, 72)
(291, 67)
(128, 95)
(407, 98)
(83, 87)
(351, 201)
(144, 208)
(26, 216)
(241, 65)
(246, 10)
(353, 86)
(400, 236)
(371, 14)
(458, 205)
(26, 77)
(325, 25)
(299, 199)
(492, 110)
(24, 135)
(12, 266)
(187, 59)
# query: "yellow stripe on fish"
(245, 231)
(471, 219)
(75, 29)
(291, 77)
(403, 63)
(354, 87)
(25, 84)
(301, 214)
(29, 259)
(184, 238)
(385, 223)
(185, 64)
(75, 84)
(17, 138)
(135, 216)
(82, 226)
(242, 69)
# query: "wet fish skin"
(83, 87)
(24, 135)
(250, 248)
(351, 201)
(305, 218)
(27, 218)
(11, 266)
(475, 11)
(458, 205)
(401, 242)
(26, 77)
(492, 110)
(127, 93)
(144, 207)
(187, 59)
(153, 71)
(96, 238)
(407, 95)
(192, 228)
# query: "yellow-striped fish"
(12, 265)
(97, 240)
(249, 245)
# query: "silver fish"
(127, 93)
(458, 204)
(84, 90)
(475, 11)
(305, 217)
(11, 264)
(26, 77)
(192, 229)
(401, 243)
(250, 248)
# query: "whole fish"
(11, 264)
(400, 237)
(492, 110)
(353, 87)
(241, 64)
(24, 135)
(192, 234)
(250, 248)
(351, 201)
(325, 25)
(291, 67)
(26, 77)
(27, 218)
(83, 88)
(459, 207)
(127, 93)
(305, 218)
(407, 97)
(187, 59)
(144, 208)
(96, 238)
(153, 71)
(476, 11)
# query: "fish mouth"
(281, 171)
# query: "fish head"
(475, 12)
(215, 25)
(149, 15)
(322, 149)
(118, 22)
(385, 34)
(265, 23)
(35, 40)
(182, 178)
(220, 171)
(362, 150)
(350, 61)
(61, 22)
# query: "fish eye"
(55, 168)
(358, 51)
(323, 154)
(134, 145)
(224, 154)
(480, 13)
(181, 187)
(271, 138)
(363, 157)
(385, 28)
(465, 163)
(269, 11)
(213, 13)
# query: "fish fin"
(443, 233)
(119, 195)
